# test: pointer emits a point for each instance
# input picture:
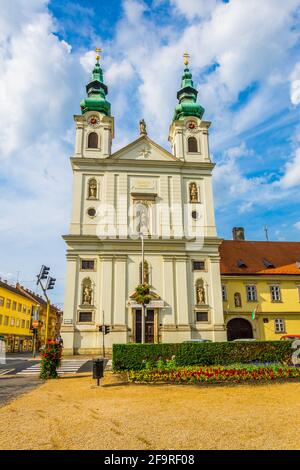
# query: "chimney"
(238, 233)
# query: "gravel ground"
(72, 413)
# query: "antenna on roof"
(266, 232)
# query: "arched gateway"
(239, 328)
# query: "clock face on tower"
(93, 121)
(192, 126)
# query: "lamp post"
(141, 235)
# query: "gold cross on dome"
(98, 51)
(186, 57)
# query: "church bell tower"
(95, 126)
(188, 133)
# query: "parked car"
(289, 337)
(244, 339)
(198, 341)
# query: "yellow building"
(16, 310)
(15, 318)
(260, 288)
(54, 321)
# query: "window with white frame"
(251, 293)
(275, 293)
(279, 325)
(224, 293)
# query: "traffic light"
(50, 283)
(104, 329)
(43, 273)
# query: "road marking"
(66, 367)
(5, 371)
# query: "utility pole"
(143, 282)
(103, 335)
(44, 274)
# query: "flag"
(254, 313)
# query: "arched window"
(146, 272)
(93, 140)
(192, 145)
(237, 299)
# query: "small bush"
(140, 356)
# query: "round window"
(195, 215)
(91, 212)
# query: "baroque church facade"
(141, 193)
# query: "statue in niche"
(200, 294)
(142, 214)
(87, 294)
(92, 189)
(143, 129)
(237, 299)
(193, 193)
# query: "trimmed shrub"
(137, 356)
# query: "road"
(11, 387)
(20, 374)
(25, 365)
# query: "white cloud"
(239, 151)
(119, 71)
(33, 85)
(295, 85)
(233, 188)
(195, 8)
(291, 176)
(297, 225)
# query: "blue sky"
(245, 59)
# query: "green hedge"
(134, 356)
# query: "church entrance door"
(149, 326)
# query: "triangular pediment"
(143, 149)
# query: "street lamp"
(141, 235)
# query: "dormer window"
(93, 140)
(268, 264)
(192, 145)
(240, 263)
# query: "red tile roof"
(284, 256)
(22, 291)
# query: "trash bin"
(98, 368)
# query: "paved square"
(72, 413)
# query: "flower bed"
(216, 374)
